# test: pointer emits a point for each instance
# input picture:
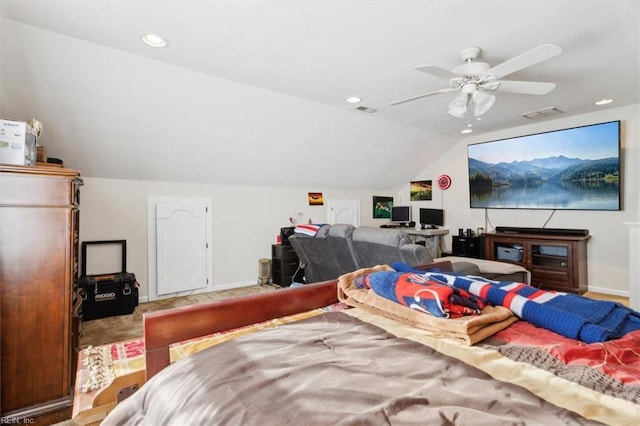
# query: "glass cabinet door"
(548, 255)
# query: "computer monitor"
(431, 218)
(401, 215)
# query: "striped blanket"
(417, 292)
(570, 315)
(309, 230)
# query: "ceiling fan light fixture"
(473, 78)
(458, 106)
(482, 102)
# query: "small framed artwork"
(382, 207)
(421, 190)
(315, 199)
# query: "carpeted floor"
(123, 327)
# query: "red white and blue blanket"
(417, 292)
(309, 230)
(570, 315)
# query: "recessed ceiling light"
(466, 131)
(603, 102)
(154, 40)
(353, 99)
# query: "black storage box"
(106, 295)
(513, 254)
(285, 233)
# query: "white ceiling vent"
(366, 109)
(543, 113)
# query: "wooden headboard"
(162, 328)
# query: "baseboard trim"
(232, 286)
(145, 299)
(620, 293)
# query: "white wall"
(608, 260)
(246, 220)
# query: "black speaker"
(542, 231)
(467, 246)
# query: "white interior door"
(181, 247)
(343, 211)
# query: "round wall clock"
(444, 182)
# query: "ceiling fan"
(473, 79)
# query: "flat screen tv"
(571, 169)
(401, 214)
(431, 217)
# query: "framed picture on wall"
(421, 190)
(382, 207)
(315, 199)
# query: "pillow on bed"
(404, 267)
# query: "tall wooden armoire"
(39, 303)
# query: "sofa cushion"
(494, 270)
(385, 236)
(339, 241)
(457, 267)
(382, 246)
(314, 253)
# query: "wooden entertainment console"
(556, 262)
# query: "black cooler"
(105, 295)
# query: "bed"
(349, 365)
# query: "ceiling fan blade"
(527, 59)
(526, 87)
(437, 71)
(424, 95)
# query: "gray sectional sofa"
(341, 248)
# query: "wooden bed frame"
(162, 328)
(166, 327)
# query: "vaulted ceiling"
(254, 92)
